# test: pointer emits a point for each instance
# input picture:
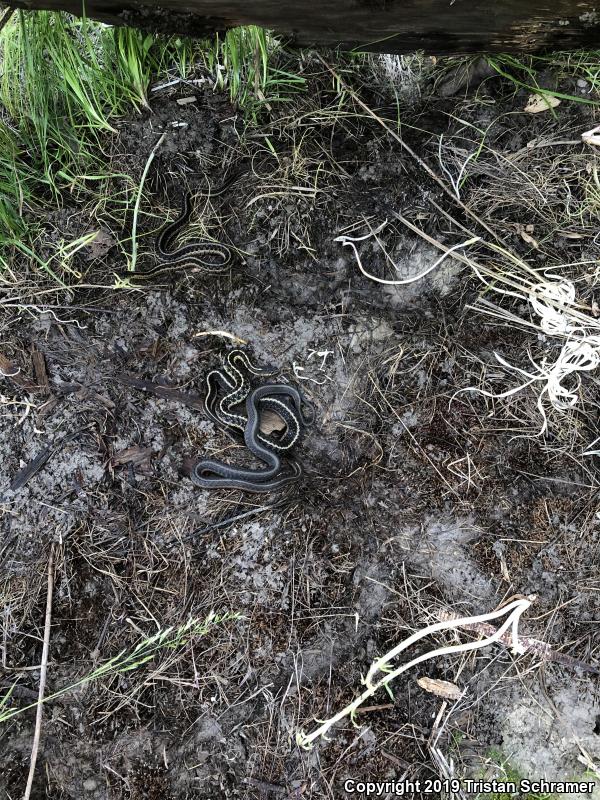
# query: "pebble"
(582, 84)
(90, 785)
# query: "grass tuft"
(243, 62)
(510, 774)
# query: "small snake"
(203, 254)
(286, 401)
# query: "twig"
(43, 670)
(29, 470)
(478, 268)
(190, 399)
(228, 521)
(39, 369)
(267, 788)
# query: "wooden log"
(393, 26)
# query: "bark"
(393, 26)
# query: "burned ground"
(415, 500)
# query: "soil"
(413, 501)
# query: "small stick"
(39, 369)
(267, 788)
(29, 470)
(43, 670)
(191, 399)
(227, 521)
(368, 709)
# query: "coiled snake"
(285, 400)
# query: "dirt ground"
(414, 502)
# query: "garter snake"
(201, 255)
(286, 401)
(231, 378)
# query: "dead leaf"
(445, 689)
(99, 246)
(591, 137)
(540, 102)
(529, 239)
(11, 371)
(132, 455)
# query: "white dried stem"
(514, 611)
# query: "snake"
(285, 400)
(230, 377)
(201, 255)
